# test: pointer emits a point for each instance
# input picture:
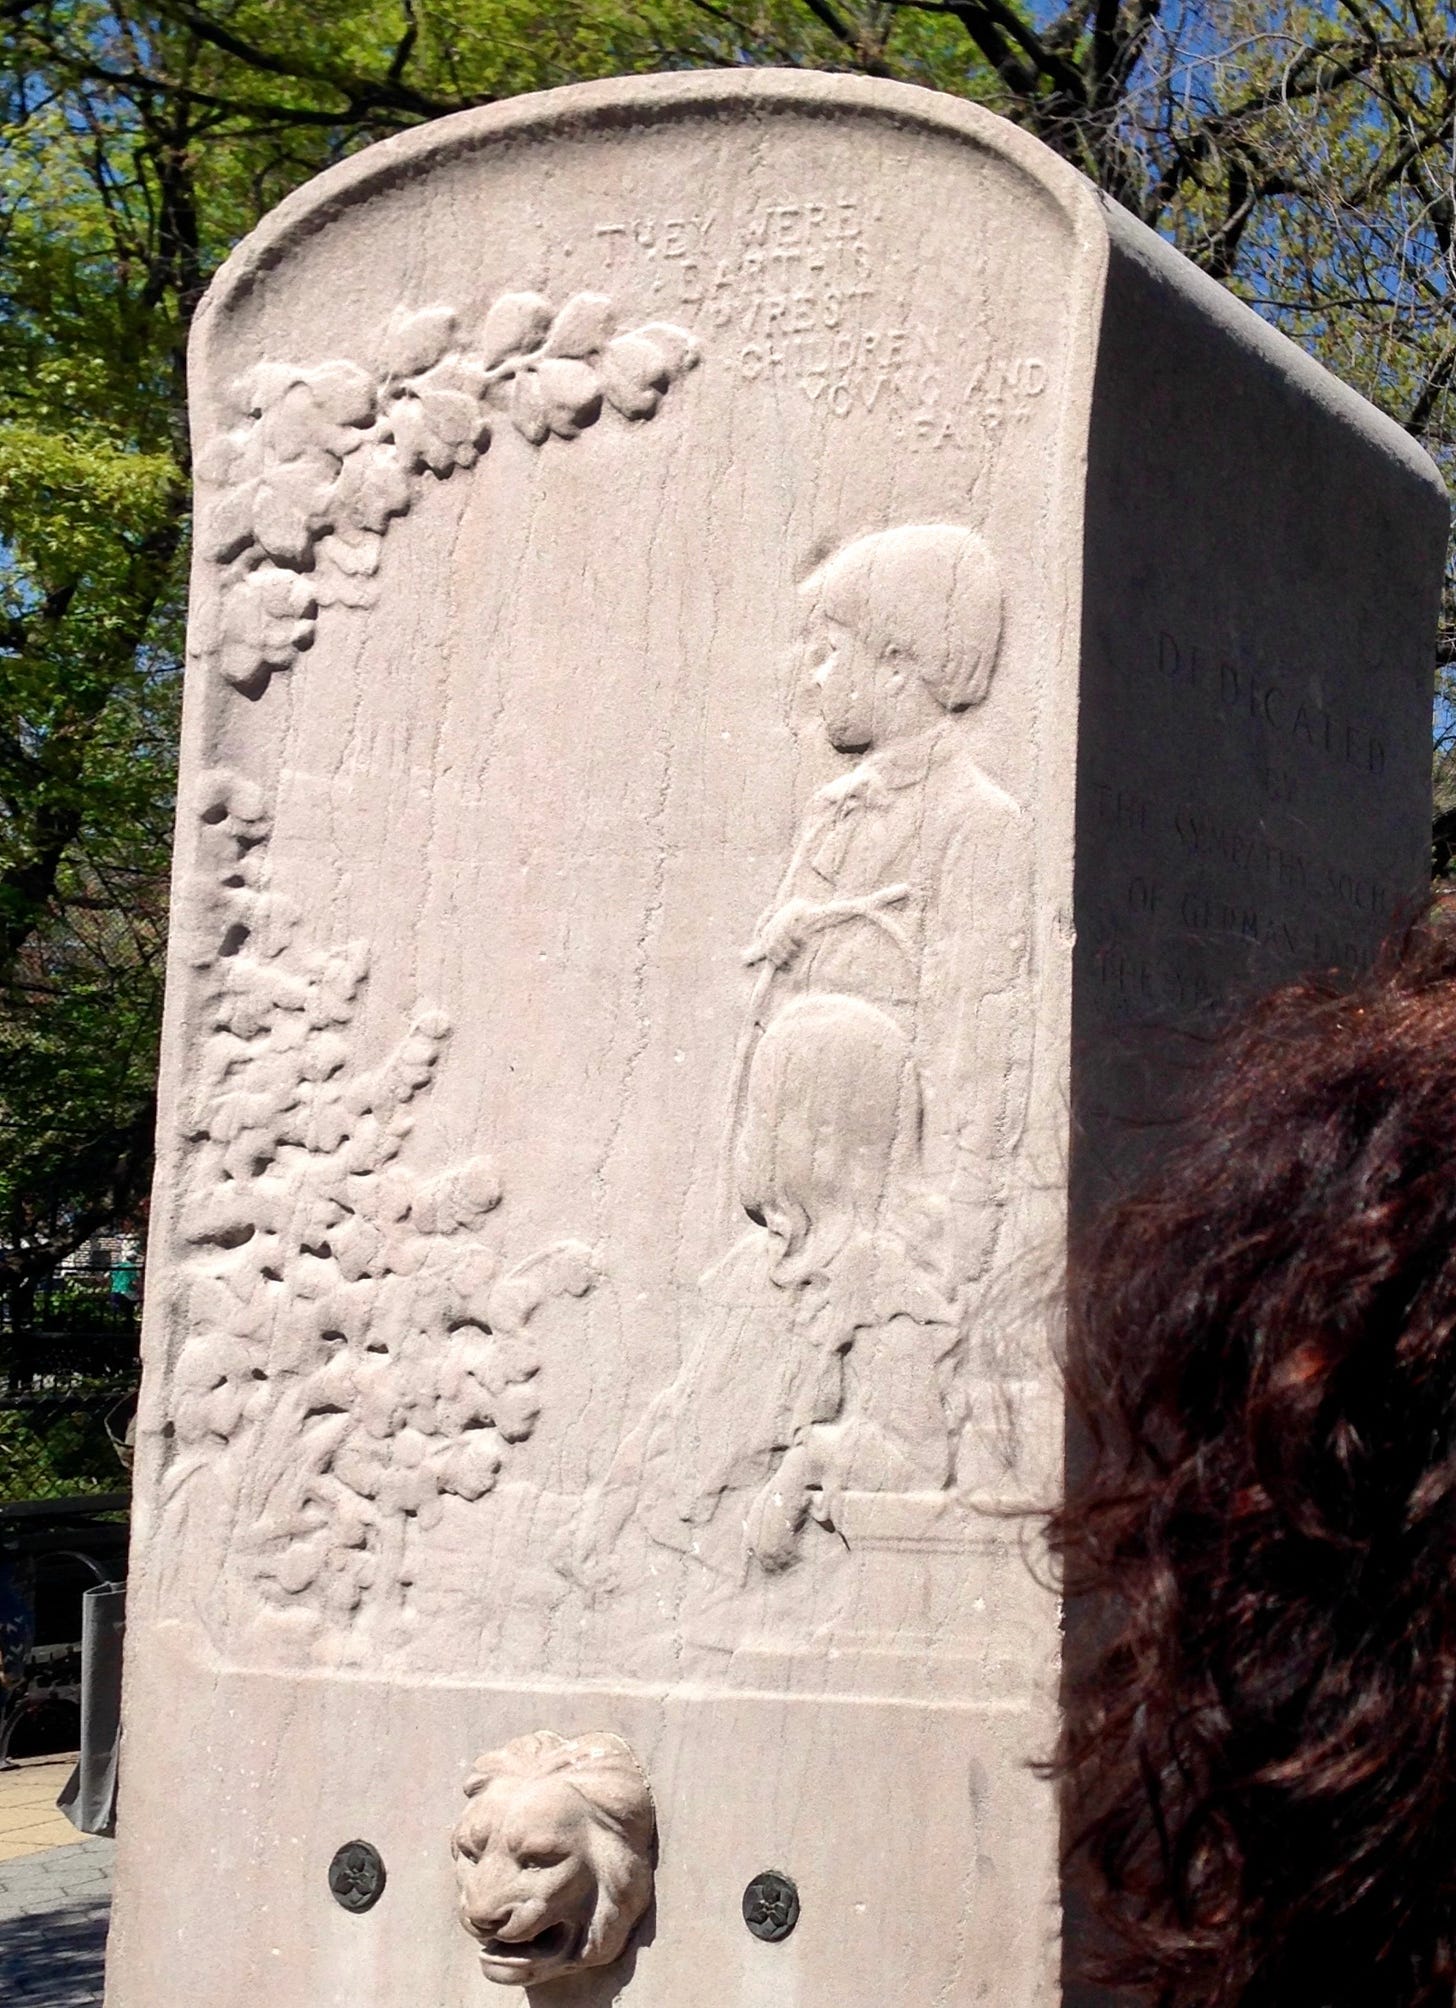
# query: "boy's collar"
(901, 764)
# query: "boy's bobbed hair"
(929, 593)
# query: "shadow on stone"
(55, 1958)
(602, 1986)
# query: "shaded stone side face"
(617, 1083)
(1263, 569)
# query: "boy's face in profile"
(845, 675)
(867, 692)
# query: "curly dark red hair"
(1260, 1749)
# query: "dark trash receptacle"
(88, 1797)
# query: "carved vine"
(354, 1352)
(296, 495)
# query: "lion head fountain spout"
(553, 1855)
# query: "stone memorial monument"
(755, 646)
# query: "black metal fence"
(68, 1377)
(64, 1446)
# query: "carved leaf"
(263, 385)
(453, 417)
(356, 552)
(232, 457)
(583, 326)
(463, 374)
(476, 1190)
(515, 325)
(468, 1381)
(212, 1304)
(361, 1464)
(373, 486)
(223, 796)
(565, 1269)
(679, 346)
(325, 1055)
(226, 1214)
(417, 445)
(635, 373)
(387, 1198)
(289, 506)
(298, 1566)
(512, 1359)
(411, 1449)
(356, 1247)
(469, 1467)
(460, 1199)
(472, 1277)
(214, 1408)
(413, 342)
(405, 1253)
(267, 617)
(226, 523)
(282, 595)
(295, 427)
(517, 1411)
(436, 428)
(342, 589)
(528, 408)
(209, 1361)
(345, 563)
(377, 1404)
(342, 393)
(322, 1437)
(571, 395)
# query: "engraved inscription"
(801, 288)
(296, 495)
(1206, 839)
(1304, 725)
(813, 249)
(1206, 884)
(1212, 899)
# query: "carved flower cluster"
(354, 1352)
(316, 461)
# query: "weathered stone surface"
(749, 633)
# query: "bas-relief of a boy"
(896, 952)
(910, 884)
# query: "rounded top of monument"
(621, 103)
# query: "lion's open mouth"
(549, 1943)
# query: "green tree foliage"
(1299, 150)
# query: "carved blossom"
(354, 1351)
(317, 460)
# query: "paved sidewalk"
(55, 1889)
(29, 1820)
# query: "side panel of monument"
(1264, 553)
(1263, 562)
(615, 1091)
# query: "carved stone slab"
(753, 646)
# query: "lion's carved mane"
(553, 1854)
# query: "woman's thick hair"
(1260, 1751)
